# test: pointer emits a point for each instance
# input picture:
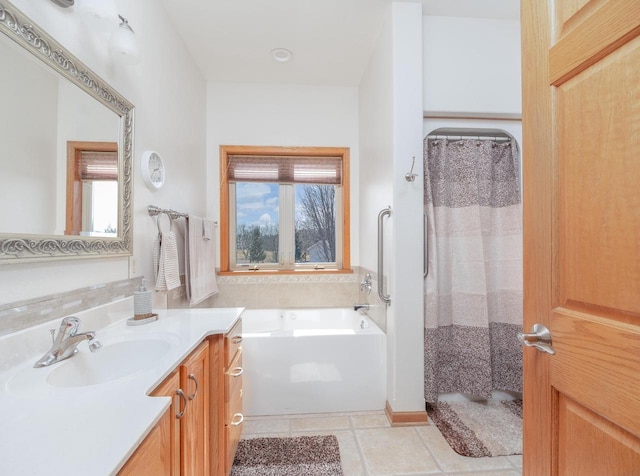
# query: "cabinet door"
(152, 457)
(194, 380)
(169, 388)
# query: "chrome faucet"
(364, 307)
(66, 342)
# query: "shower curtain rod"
(492, 116)
(483, 134)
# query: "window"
(284, 209)
(92, 189)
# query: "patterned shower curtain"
(473, 292)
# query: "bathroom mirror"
(51, 103)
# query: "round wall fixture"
(64, 3)
(153, 172)
(282, 55)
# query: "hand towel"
(155, 256)
(208, 229)
(201, 259)
(168, 269)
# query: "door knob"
(539, 337)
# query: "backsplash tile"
(23, 314)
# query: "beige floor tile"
(349, 454)
(394, 451)
(248, 436)
(266, 425)
(488, 473)
(370, 421)
(320, 423)
(449, 460)
(516, 460)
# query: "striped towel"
(155, 255)
(200, 259)
(168, 268)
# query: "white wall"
(282, 115)
(471, 65)
(405, 325)
(169, 95)
(390, 135)
(376, 143)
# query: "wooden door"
(194, 380)
(581, 159)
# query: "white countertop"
(90, 430)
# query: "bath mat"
(308, 455)
(476, 429)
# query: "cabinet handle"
(193, 395)
(236, 339)
(240, 420)
(184, 399)
(236, 372)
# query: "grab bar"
(383, 297)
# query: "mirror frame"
(29, 247)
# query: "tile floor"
(369, 446)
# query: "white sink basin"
(112, 362)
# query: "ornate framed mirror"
(54, 101)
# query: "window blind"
(285, 169)
(95, 165)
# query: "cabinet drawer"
(233, 427)
(232, 342)
(233, 379)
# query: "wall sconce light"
(123, 44)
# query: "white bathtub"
(312, 361)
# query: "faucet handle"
(68, 327)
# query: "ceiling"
(331, 40)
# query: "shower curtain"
(473, 291)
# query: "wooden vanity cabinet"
(194, 433)
(152, 457)
(226, 411)
(233, 393)
(199, 434)
(169, 388)
(188, 385)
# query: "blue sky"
(257, 203)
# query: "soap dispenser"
(142, 312)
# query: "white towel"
(168, 269)
(201, 259)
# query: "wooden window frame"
(227, 150)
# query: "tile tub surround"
(286, 291)
(369, 446)
(92, 429)
(20, 315)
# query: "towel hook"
(410, 176)
(158, 221)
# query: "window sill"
(273, 272)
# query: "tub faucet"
(364, 307)
(66, 342)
